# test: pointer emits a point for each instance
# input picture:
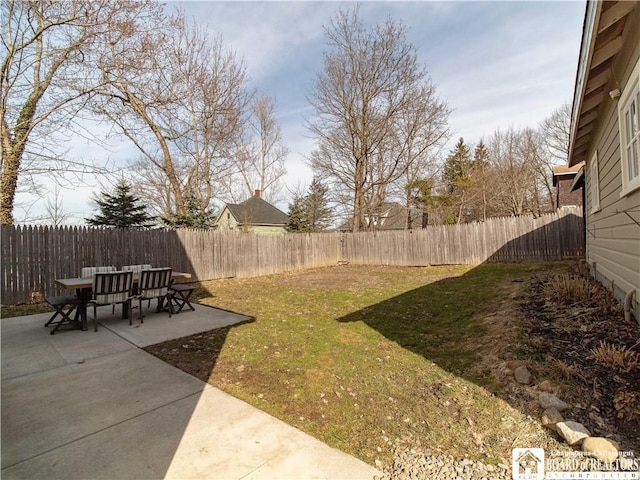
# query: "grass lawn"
(370, 358)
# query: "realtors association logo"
(527, 463)
(531, 464)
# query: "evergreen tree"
(194, 217)
(457, 166)
(482, 177)
(311, 212)
(481, 156)
(297, 220)
(458, 180)
(316, 204)
(120, 209)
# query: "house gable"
(253, 215)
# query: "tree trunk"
(358, 203)
(8, 186)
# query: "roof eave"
(592, 15)
(578, 181)
(602, 39)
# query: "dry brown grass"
(568, 289)
(562, 369)
(615, 356)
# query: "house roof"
(390, 216)
(565, 171)
(560, 170)
(578, 180)
(602, 40)
(256, 211)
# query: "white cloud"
(498, 64)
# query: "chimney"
(257, 195)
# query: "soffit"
(602, 40)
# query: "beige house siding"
(613, 234)
(267, 229)
(226, 221)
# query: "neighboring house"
(605, 133)
(391, 216)
(253, 215)
(563, 177)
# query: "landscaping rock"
(550, 417)
(522, 375)
(416, 464)
(549, 400)
(601, 448)
(545, 386)
(573, 432)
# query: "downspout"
(628, 305)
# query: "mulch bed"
(565, 337)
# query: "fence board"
(33, 257)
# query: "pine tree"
(420, 195)
(194, 217)
(311, 212)
(296, 214)
(481, 156)
(458, 180)
(120, 209)
(482, 174)
(457, 166)
(317, 206)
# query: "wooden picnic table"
(83, 288)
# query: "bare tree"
(534, 153)
(555, 131)
(152, 186)
(55, 214)
(514, 154)
(45, 80)
(261, 159)
(366, 101)
(138, 93)
(212, 110)
(180, 97)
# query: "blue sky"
(497, 64)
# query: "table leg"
(84, 295)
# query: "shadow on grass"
(436, 320)
(196, 354)
(458, 323)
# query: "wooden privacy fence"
(509, 239)
(32, 257)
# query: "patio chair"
(88, 272)
(136, 269)
(154, 283)
(111, 288)
(60, 304)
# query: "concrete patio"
(84, 405)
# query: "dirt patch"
(348, 277)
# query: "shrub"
(569, 289)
